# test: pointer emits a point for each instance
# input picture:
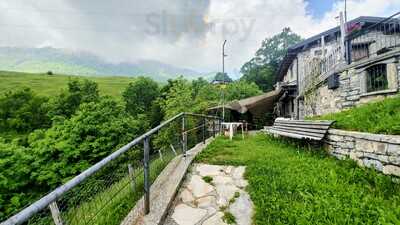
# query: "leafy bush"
(65, 104)
(16, 187)
(381, 117)
(22, 111)
(67, 149)
(140, 95)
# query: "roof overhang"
(253, 104)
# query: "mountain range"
(61, 61)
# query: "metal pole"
(223, 80)
(146, 158)
(345, 12)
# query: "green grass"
(290, 184)
(50, 85)
(381, 117)
(229, 218)
(208, 179)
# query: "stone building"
(328, 73)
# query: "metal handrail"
(45, 201)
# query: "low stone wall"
(381, 152)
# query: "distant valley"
(60, 61)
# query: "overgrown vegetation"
(381, 117)
(292, 184)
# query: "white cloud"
(186, 33)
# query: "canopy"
(255, 104)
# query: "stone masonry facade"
(351, 91)
(381, 152)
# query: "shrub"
(22, 111)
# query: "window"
(377, 78)
(359, 51)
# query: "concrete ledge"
(163, 190)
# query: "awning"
(264, 103)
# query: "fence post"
(184, 135)
(146, 159)
(204, 130)
(131, 176)
(55, 213)
(213, 128)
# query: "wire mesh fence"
(108, 194)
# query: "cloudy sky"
(185, 33)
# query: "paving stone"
(206, 202)
(186, 196)
(199, 187)
(186, 215)
(241, 183)
(228, 170)
(209, 170)
(216, 219)
(202, 201)
(225, 193)
(242, 209)
(238, 172)
(222, 180)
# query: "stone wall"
(351, 91)
(381, 152)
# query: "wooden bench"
(301, 129)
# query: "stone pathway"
(212, 195)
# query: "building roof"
(242, 106)
(295, 49)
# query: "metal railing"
(379, 38)
(107, 191)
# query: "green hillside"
(62, 61)
(52, 84)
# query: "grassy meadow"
(49, 85)
(292, 184)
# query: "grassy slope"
(381, 117)
(290, 185)
(51, 85)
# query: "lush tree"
(178, 98)
(68, 102)
(240, 90)
(198, 84)
(92, 133)
(262, 68)
(222, 77)
(261, 75)
(22, 111)
(16, 186)
(274, 49)
(140, 95)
